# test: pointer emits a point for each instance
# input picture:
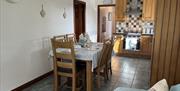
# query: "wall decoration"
(64, 13)
(109, 16)
(42, 12)
(13, 1)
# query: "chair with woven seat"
(64, 62)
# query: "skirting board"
(28, 84)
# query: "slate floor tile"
(127, 72)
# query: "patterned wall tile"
(133, 22)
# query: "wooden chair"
(71, 37)
(60, 37)
(108, 64)
(101, 66)
(115, 37)
(109, 55)
(64, 62)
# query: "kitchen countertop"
(133, 34)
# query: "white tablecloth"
(86, 54)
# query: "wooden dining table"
(90, 56)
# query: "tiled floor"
(127, 72)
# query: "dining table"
(90, 55)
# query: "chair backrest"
(60, 38)
(65, 57)
(71, 37)
(115, 37)
(107, 41)
(103, 56)
(110, 52)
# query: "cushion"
(128, 89)
(160, 86)
(175, 88)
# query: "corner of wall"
(1, 7)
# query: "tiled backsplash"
(134, 23)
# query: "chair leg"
(56, 83)
(98, 79)
(74, 83)
(59, 82)
(84, 78)
(110, 69)
(78, 81)
(107, 74)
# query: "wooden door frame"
(84, 3)
(98, 17)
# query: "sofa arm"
(175, 88)
(128, 89)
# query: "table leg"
(89, 75)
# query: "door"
(79, 17)
(106, 22)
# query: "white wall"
(25, 38)
(0, 40)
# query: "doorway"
(79, 17)
(106, 22)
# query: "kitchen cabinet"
(120, 10)
(143, 52)
(146, 45)
(148, 13)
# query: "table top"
(85, 54)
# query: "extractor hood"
(133, 7)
